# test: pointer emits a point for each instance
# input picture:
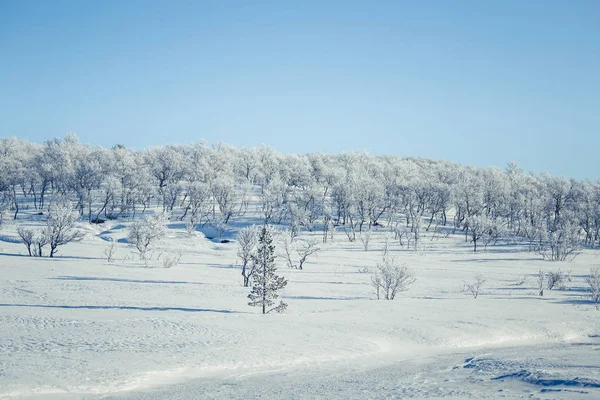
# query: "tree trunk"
(264, 289)
(16, 203)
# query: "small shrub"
(541, 278)
(555, 279)
(594, 283)
(521, 280)
(390, 277)
(145, 232)
(365, 238)
(170, 261)
(474, 288)
(109, 251)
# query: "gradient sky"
(476, 82)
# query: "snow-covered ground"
(78, 326)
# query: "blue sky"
(475, 82)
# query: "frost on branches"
(247, 242)
(60, 229)
(145, 232)
(265, 283)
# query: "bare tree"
(170, 260)
(365, 238)
(288, 248)
(109, 251)
(27, 237)
(247, 241)
(40, 242)
(390, 277)
(594, 282)
(306, 249)
(302, 248)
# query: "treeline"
(213, 184)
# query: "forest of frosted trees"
(354, 193)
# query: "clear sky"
(472, 81)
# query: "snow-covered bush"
(390, 277)
(109, 251)
(60, 229)
(561, 242)
(555, 279)
(220, 227)
(365, 238)
(170, 260)
(593, 282)
(145, 232)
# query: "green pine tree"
(265, 283)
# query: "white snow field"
(79, 327)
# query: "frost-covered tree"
(61, 227)
(593, 281)
(555, 279)
(247, 241)
(265, 282)
(227, 196)
(390, 277)
(305, 249)
(146, 231)
(13, 161)
(475, 227)
(166, 166)
(196, 204)
(288, 250)
(273, 196)
(109, 251)
(561, 241)
(296, 252)
(86, 179)
(495, 230)
(468, 196)
(353, 192)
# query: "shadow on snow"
(125, 280)
(323, 298)
(136, 308)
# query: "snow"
(77, 326)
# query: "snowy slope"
(80, 327)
